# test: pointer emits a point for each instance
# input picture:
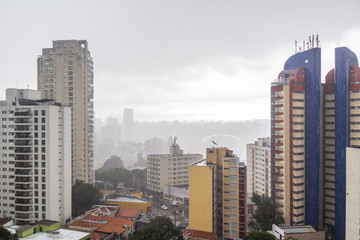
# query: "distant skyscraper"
(169, 169)
(258, 159)
(217, 195)
(65, 74)
(128, 124)
(341, 131)
(296, 139)
(35, 153)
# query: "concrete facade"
(341, 130)
(36, 158)
(296, 139)
(169, 169)
(217, 200)
(65, 74)
(352, 193)
(258, 161)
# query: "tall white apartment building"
(258, 159)
(65, 74)
(169, 169)
(35, 172)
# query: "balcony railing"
(23, 179)
(23, 187)
(23, 172)
(23, 164)
(23, 201)
(23, 194)
(22, 157)
(23, 208)
(23, 150)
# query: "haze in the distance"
(176, 60)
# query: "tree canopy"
(130, 178)
(259, 236)
(113, 162)
(84, 195)
(265, 214)
(160, 228)
(6, 234)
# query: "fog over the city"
(176, 60)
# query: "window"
(233, 161)
(232, 169)
(232, 193)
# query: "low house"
(283, 232)
(130, 202)
(101, 226)
(46, 229)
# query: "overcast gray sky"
(176, 59)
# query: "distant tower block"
(128, 124)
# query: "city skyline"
(163, 59)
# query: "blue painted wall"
(311, 61)
(344, 58)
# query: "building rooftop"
(199, 163)
(127, 199)
(128, 212)
(297, 229)
(60, 233)
(103, 224)
(45, 222)
(4, 220)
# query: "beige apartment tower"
(258, 159)
(217, 195)
(65, 74)
(169, 169)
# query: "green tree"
(134, 179)
(265, 214)
(259, 236)
(160, 228)
(6, 234)
(84, 195)
(113, 162)
(115, 176)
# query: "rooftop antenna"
(312, 41)
(317, 40)
(303, 45)
(296, 46)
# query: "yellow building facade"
(217, 194)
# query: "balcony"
(21, 194)
(23, 112)
(23, 142)
(23, 216)
(22, 157)
(23, 150)
(23, 179)
(24, 187)
(23, 208)
(23, 165)
(23, 201)
(22, 135)
(23, 172)
(23, 128)
(23, 120)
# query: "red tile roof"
(4, 220)
(104, 224)
(128, 213)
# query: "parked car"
(174, 203)
(164, 207)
